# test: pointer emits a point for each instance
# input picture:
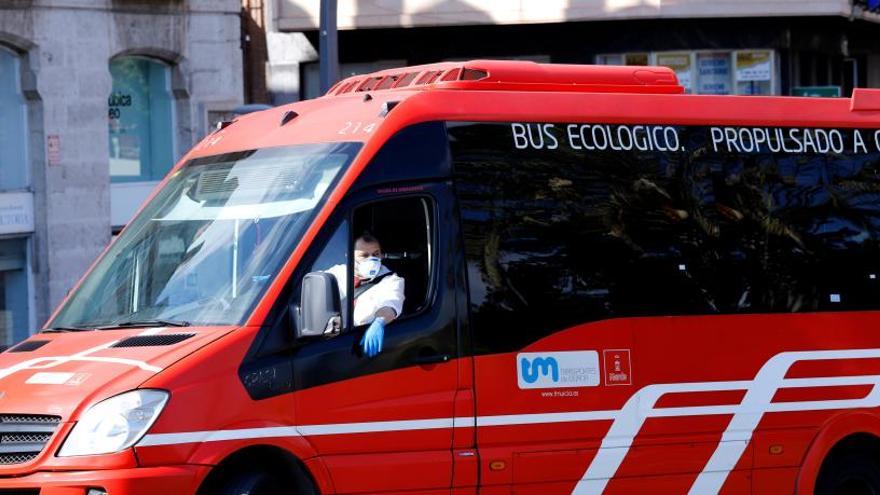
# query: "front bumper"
(170, 480)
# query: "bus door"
(384, 424)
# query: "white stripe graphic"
(627, 422)
(296, 431)
(47, 362)
(746, 415)
(217, 436)
(376, 427)
(756, 402)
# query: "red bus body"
(727, 403)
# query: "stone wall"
(66, 46)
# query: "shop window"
(714, 73)
(754, 72)
(13, 124)
(141, 120)
(14, 293)
(711, 72)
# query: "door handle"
(433, 358)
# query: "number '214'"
(354, 127)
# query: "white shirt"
(388, 292)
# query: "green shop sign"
(817, 91)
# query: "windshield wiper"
(144, 324)
(65, 329)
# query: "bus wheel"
(251, 483)
(849, 475)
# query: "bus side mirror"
(319, 306)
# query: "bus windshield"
(205, 248)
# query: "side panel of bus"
(664, 306)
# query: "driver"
(378, 292)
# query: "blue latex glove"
(371, 343)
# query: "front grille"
(23, 436)
(26, 438)
(6, 459)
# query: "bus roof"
(372, 107)
(506, 75)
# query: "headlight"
(114, 424)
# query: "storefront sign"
(636, 59)
(817, 91)
(714, 73)
(681, 64)
(754, 65)
(16, 212)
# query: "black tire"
(849, 475)
(251, 483)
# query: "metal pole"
(328, 47)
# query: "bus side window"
(557, 237)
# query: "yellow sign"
(754, 65)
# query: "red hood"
(76, 369)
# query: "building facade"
(782, 47)
(98, 99)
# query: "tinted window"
(675, 220)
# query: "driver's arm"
(391, 304)
(386, 313)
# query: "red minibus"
(591, 283)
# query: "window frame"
(432, 218)
(345, 214)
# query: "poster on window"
(713, 70)
(681, 64)
(636, 59)
(754, 65)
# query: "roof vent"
(288, 116)
(406, 79)
(369, 84)
(29, 345)
(387, 82)
(387, 107)
(223, 124)
(153, 340)
(473, 74)
(429, 77)
(517, 75)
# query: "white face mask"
(368, 268)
